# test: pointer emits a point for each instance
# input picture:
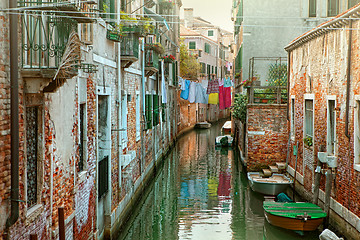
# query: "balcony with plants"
(129, 50)
(151, 62)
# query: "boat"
(202, 125)
(226, 128)
(273, 185)
(297, 216)
(219, 143)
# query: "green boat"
(297, 216)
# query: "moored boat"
(220, 142)
(226, 128)
(202, 125)
(297, 216)
(273, 185)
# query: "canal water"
(202, 193)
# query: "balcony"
(151, 62)
(129, 50)
(80, 11)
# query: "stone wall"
(266, 135)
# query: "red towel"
(227, 97)
(221, 97)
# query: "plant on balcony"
(308, 141)
(157, 47)
(145, 25)
(114, 32)
(239, 107)
(169, 58)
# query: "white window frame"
(292, 118)
(328, 135)
(357, 134)
(138, 116)
(309, 97)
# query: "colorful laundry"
(213, 98)
(221, 97)
(213, 86)
(201, 96)
(192, 92)
(185, 93)
(182, 83)
(227, 82)
(227, 97)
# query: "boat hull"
(293, 224)
(268, 188)
(203, 125)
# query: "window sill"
(357, 167)
(34, 212)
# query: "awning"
(156, 17)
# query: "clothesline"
(216, 91)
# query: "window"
(32, 147)
(309, 118)
(148, 111)
(333, 8)
(138, 116)
(87, 33)
(156, 110)
(106, 7)
(211, 33)
(292, 126)
(357, 135)
(312, 8)
(331, 129)
(103, 177)
(163, 112)
(124, 113)
(82, 133)
(192, 45)
(207, 48)
(208, 69)
(203, 67)
(352, 3)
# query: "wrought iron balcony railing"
(130, 46)
(44, 39)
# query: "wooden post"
(33, 237)
(328, 186)
(61, 217)
(317, 176)
(297, 152)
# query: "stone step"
(281, 165)
(273, 169)
(267, 172)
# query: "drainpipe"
(348, 82)
(288, 87)
(144, 121)
(119, 112)
(14, 112)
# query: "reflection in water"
(202, 193)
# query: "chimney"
(189, 17)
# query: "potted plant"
(308, 141)
(169, 58)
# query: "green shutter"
(192, 45)
(148, 110)
(216, 70)
(163, 112)
(156, 110)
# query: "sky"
(218, 12)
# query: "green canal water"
(202, 193)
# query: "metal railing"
(267, 94)
(130, 45)
(151, 59)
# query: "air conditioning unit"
(332, 161)
(322, 157)
(127, 158)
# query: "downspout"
(14, 112)
(288, 87)
(119, 112)
(348, 79)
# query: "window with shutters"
(203, 67)
(312, 8)
(333, 8)
(211, 33)
(107, 9)
(156, 109)
(148, 110)
(207, 48)
(192, 45)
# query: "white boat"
(218, 140)
(226, 128)
(273, 185)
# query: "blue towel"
(185, 93)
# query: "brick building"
(324, 117)
(92, 123)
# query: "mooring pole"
(61, 217)
(328, 186)
(296, 153)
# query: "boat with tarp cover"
(298, 216)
